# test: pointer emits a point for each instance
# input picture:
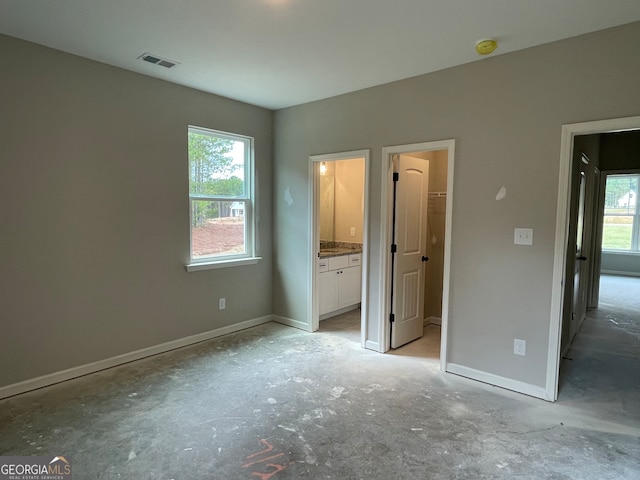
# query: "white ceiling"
(278, 53)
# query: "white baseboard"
(57, 377)
(339, 312)
(498, 381)
(432, 321)
(375, 346)
(290, 322)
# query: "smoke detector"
(486, 46)
(158, 60)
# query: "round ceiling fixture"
(485, 47)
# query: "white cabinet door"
(339, 287)
(328, 291)
(349, 286)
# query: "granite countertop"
(338, 251)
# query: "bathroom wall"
(349, 195)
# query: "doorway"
(397, 306)
(339, 222)
(567, 227)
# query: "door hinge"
(394, 248)
(392, 318)
(396, 176)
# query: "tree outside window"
(621, 227)
(220, 195)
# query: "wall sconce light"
(323, 168)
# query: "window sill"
(632, 253)
(196, 267)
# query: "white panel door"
(411, 230)
(580, 282)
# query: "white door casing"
(411, 230)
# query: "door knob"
(582, 259)
(425, 259)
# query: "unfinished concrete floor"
(274, 402)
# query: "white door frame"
(569, 131)
(314, 188)
(385, 238)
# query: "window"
(621, 228)
(220, 197)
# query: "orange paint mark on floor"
(277, 467)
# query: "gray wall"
(621, 153)
(506, 114)
(620, 264)
(94, 214)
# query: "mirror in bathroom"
(327, 205)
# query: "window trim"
(196, 267)
(249, 256)
(635, 232)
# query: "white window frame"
(248, 198)
(635, 229)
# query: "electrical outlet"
(519, 347)
(222, 303)
(353, 231)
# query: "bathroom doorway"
(339, 253)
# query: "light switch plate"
(523, 236)
(519, 347)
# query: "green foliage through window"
(220, 202)
(621, 227)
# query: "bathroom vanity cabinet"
(339, 283)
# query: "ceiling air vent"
(157, 60)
